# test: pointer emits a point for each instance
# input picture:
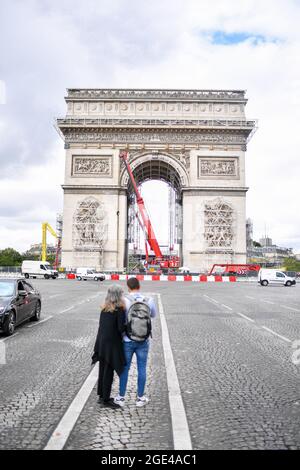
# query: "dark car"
(19, 301)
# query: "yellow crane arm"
(45, 227)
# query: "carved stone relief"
(89, 226)
(218, 224)
(86, 135)
(91, 165)
(217, 167)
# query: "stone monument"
(195, 140)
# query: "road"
(232, 347)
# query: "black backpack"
(138, 326)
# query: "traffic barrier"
(172, 278)
(168, 278)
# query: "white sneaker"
(119, 400)
(142, 401)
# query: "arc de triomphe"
(195, 140)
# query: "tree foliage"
(292, 264)
(10, 257)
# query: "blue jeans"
(141, 351)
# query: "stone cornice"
(120, 123)
(152, 136)
(92, 189)
(78, 94)
(212, 191)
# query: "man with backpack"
(139, 311)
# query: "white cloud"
(47, 46)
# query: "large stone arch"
(194, 140)
(160, 165)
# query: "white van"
(274, 276)
(184, 270)
(83, 274)
(38, 269)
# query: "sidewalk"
(131, 428)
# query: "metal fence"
(10, 269)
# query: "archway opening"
(160, 186)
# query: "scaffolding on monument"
(90, 229)
(218, 231)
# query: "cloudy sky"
(47, 46)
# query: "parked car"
(274, 276)
(83, 274)
(38, 269)
(19, 301)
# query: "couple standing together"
(124, 330)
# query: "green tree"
(256, 244)
(291, 264)
(10, 257)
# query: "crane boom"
(151, 238)
(45, 227)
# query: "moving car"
(38, 269)
(274, 276)
(19, 301)
(83, 274)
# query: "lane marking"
(9, 337)
(39, 322)
(180, 428)
(81, 302)
(245, 316)
(274, 333)
(249, 297)
(290, 308)
(226, 306)
(210, 301)
(210, 298)
(62, 432)
(268, 302)
(66, 309)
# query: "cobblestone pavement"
(131, 428)
(239, 385)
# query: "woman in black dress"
(108, 348)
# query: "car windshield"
(6, 289)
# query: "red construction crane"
(147, 226)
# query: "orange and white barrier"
(170, 278)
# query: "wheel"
(26, 276)
(264, 283)
(10, 324)
(53, 277)
(288, 283)
(37, 313)
(46, 276)
(79, 278)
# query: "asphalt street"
(232, 345)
